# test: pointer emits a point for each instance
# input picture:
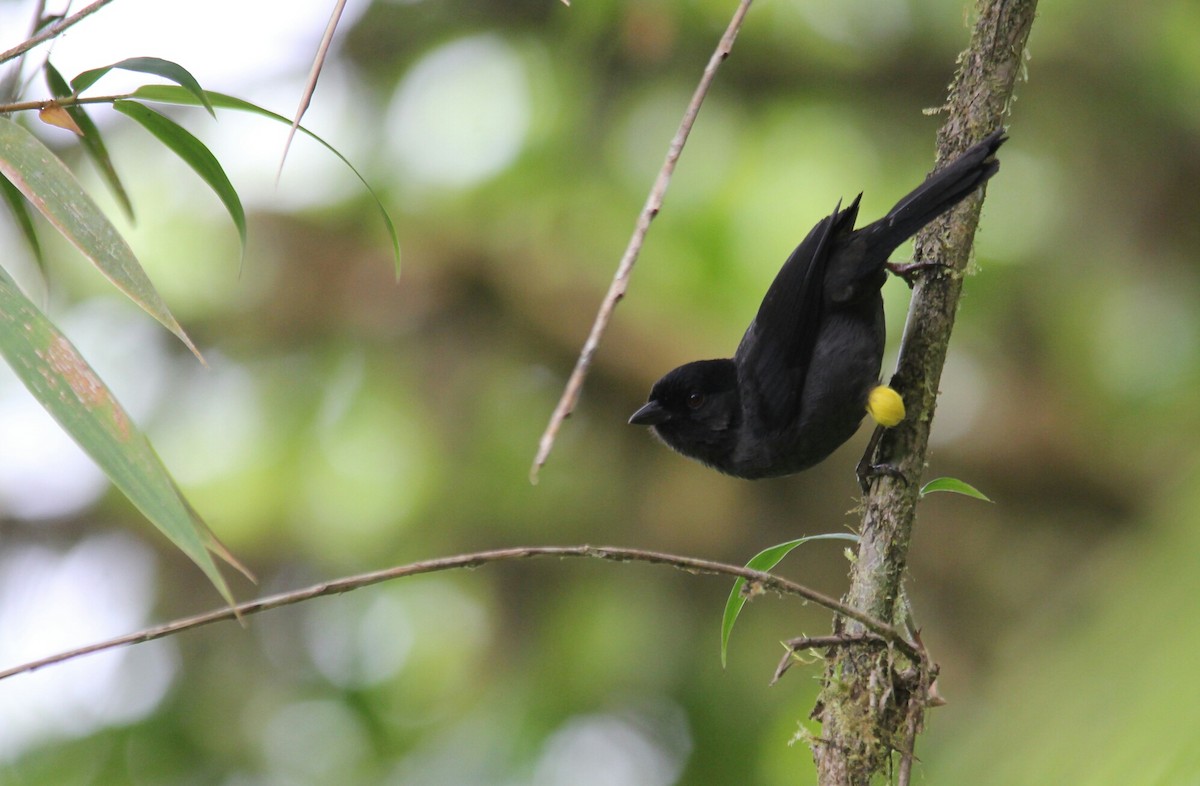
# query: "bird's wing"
(775, 353)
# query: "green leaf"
(51, 188)
(764, 561)
(955, 486)
(169, 94)
(63, 382)
(148, 65)
(20, 210)
(93, 145)
(194, 153)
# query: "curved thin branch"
(616, 291)
(765, 581)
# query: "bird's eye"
(695, 400)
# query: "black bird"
(807, 369)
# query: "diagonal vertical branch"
(870, 704)
(616, 291)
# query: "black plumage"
(798, 384)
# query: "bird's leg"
(908, 270)
(867, 468)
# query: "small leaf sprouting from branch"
(954, 486)
(764, 561)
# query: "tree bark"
(873, 700)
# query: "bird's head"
(695, 410)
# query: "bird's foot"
(866, 471)
(868, 468)
(908, 270)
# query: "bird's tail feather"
(941, 191)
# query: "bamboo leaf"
(147, 65)
(51, 188)
(63, 382)
(20, 210)
(194, 153)
(169, 94)
(764, 561)
(93, 144)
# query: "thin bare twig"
(766, 581)
(52, 31)
(310, 86)
(616, 291)
(26, 106)
(801, 643)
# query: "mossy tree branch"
(873, 700)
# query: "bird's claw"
(909, 270)
(867, 466)
(867, 470)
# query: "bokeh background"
(350, 422)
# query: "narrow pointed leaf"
(92, 142)
(209, 538)
(954, 486)
(51, 188)
(764, 561)
(194, 153)
(169, 94)
(63, 382)
(148, 65)
(19, 207)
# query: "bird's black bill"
(650, 415)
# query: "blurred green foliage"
(351, 422)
